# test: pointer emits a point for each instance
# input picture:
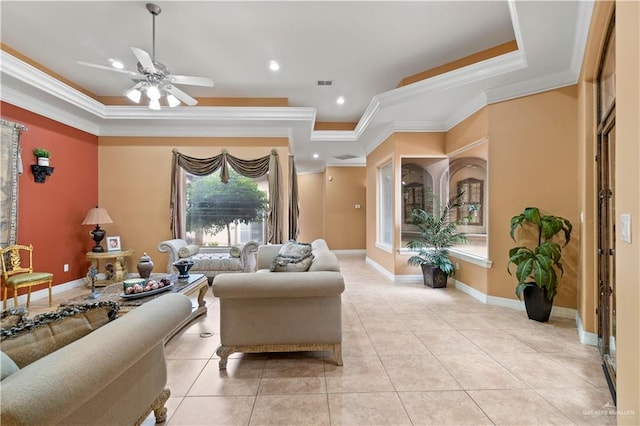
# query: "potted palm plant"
(438, 232)
(537, 267)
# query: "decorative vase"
(183, 267)
(145, 266)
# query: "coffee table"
(194, 284)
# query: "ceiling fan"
(154, 78)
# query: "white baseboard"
(556, 311)
(586, 337)
(353, 251)
(44, 293)
(379, 268)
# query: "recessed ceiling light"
(116, 64)
(340, 100)
(315, 155)
(274, 65)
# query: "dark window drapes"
(269, 164)
(294, 208)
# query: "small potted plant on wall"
(438, 233)
(537, 266)
(42, 155)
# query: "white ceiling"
(366, 48)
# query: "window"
(471, 200)
(219, 214)
(385, 205)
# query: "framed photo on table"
(113, 243)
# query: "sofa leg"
(223, 352)
(159, 410)
(337, 353)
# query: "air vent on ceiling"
(345, 157)
(325, 82)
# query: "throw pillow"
(188, 251)
(7, 366)
(292, 257)
(235, 251)
(45, 333)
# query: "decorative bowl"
(132, 282)
(183, 267)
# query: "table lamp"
(95, 217)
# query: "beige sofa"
(115, 375)
(282, 311)
(210, 263)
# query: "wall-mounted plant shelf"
(40, 173)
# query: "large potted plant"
(438, 232)
(537, 267)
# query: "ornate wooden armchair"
(17, 273)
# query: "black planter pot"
(434, 277)
(537, 305)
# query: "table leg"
(119, 269)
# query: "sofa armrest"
(248, 257)
(66, 379)
(278, 284)
(171, 247)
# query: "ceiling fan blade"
(181, 95)
(104, 67)
(144, 58)
(194, 81)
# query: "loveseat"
(270, 311)
(114, 375)
(210, 264)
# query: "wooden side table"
(120, 267)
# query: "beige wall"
(311, 202)
(628, 201)
(344, 225)
(134, 176)
(532, 162)
(472, 129)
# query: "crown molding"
(532, 86)
(48, 110)
(466, 111)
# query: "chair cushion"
(292, 257)
(20, 279)
(45, 333)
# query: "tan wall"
(472, 129)
(311, 202)
(134, 176)
(533, 145)
(628, 201)
(587, 181)
(344, 225)
(473, 275)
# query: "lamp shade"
(96, 216)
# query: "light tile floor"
(412, 355)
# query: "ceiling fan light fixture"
(134, 95)
(153, 93)
(172, 101)
(154, 104)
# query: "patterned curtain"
(269, 164)
(10, 167)
(294, 207)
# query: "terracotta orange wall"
(311, 202)
(50, 214)
(533, 162)
(134, 183)
(344, 225)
